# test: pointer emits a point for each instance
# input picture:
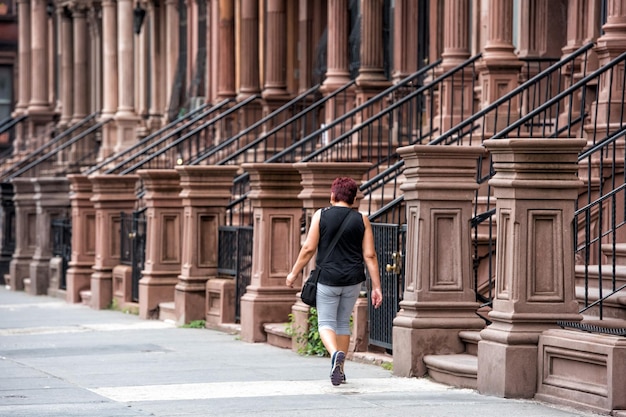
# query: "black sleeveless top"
(344, 265)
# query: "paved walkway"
(59, 359)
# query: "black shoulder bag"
(309, 291)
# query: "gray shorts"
(334, 307)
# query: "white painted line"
(104, 327)
(242, 389)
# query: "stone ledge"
(459, 370)
(277, 335)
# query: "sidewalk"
(64, 360)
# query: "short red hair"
(344, 189)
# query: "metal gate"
(62, 246)
(389, 240)
(235, 259)
(133, 246)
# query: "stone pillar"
(126, 117)
(439, 298)
(39, 58)
(163, 239)
(277, 212)
(52, 202)
(172, 23)
(316, 180)
(611, 44)
(24, 55)
(159, 95)
(67, 68)
(371, 70)
(249, 57)
(307, 43)
(112, 194)
(499, 68)
(109, 76)
(25, 231)
(456, 94)
(79, 270)
(80, 85)
(7, 232)
(405, 39)
(226, 42)
(338, 59)
(276, 49)
(536, 186)
(206, 191)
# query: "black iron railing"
(235, 259)
(62, 246)
(133, 246)
(176, 127)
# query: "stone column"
(80, 88)
(499, 67)
(158, 94)
(25, 231)
(206, 191)
(249, 56)
(83, 238)
(439, 298)
(39, 58)
(371, 71)
(306, 43)
(172, 23)
(163, 239)
(126, 117)
(276, 50)
(67, 68)
(456, 94)
(24, 55)
(316, 180)
(536, 186)
(405, 38)
(109, 76)
(52, 202)
(276, 212)
(226, 46)
(338, 59)
(611, 44)
(112, 194)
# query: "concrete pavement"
(64, 360)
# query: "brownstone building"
(166, 157)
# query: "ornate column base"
(264, 305)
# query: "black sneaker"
(336, 366)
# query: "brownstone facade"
(477, 122)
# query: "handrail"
(55, 151)
(183, 138)
(47, 145)
(377, 97)
(583, 81)
(470, 120)
(139, 144)
(253, 126)
(9, 122)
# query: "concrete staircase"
(458, 370)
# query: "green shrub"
(311, 341)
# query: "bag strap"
(336, 238)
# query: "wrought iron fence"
(62, 246)
(235, 259)
(133, 246)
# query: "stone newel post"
(163, 238)
(206, 191)
(83, 237)
(536, 185)
(277, 212)
(112, 194)
(25, 231)
(439, 298)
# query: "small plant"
(195, 324)
(387, 366)
(310, 341)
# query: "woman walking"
(343, 270)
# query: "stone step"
(619, 255)
(167, 311)
(458, 370)
(85, 297)
(7, 280)
(277, 335)
(471, 339)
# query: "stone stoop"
(167, 311)
(7, 280)
(85, 297)
(458, 370)
(277, 335)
